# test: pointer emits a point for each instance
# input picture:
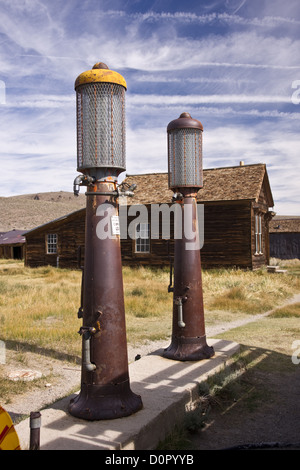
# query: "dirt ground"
(275, 424)
(61, 378)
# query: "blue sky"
(232, 64)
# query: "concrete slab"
(168, 389)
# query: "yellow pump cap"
(100, 73)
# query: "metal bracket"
(115, 194)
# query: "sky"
(232, 64)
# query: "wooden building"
(12, 244)
(285, 237)
(236, 204)
(56, 243)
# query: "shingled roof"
(285, 224)
(12, 238)
(219, 184)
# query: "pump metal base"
(188, 349)
(112, 401)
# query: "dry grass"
(234, 294)
(287, 311)
(39, 306)
(148, 304)
(273, 336)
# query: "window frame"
(51, 243)
(142, 243)
(258, 234)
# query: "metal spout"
(82, 180)
(76, 184)
(180, 322)
(86, 349)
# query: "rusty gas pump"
(105, 387)
(185, 172)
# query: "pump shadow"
(168, 389)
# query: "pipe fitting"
(177, 197)
(86, 333)
(126, 192)
(76, 185)
(178, 302)
(82, 180)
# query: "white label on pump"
(115, 225)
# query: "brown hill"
(31, 210)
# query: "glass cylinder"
(101, 133)
(185, 153)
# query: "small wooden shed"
(12, 244)
(236, 223)
(285, 237)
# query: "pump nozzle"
(82, 180)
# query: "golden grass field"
(38, 306)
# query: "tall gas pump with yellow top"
(105, 387)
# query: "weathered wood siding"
(227, 239)
(70, 235)
(285, 245)
(160, 249)
(227, 235)
(15, 251)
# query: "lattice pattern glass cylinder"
(101, 126)
(185, 158)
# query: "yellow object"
(97, 75)
(9, 439)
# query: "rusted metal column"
(188, 330)
(105, 388)
(188, 342)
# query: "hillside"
(31, 210)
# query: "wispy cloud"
(41, 101)
(43, 34)
(230, 63)
(165, 100)
(193, 18)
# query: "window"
(51, 243)
(258, 234)
(142, 238)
